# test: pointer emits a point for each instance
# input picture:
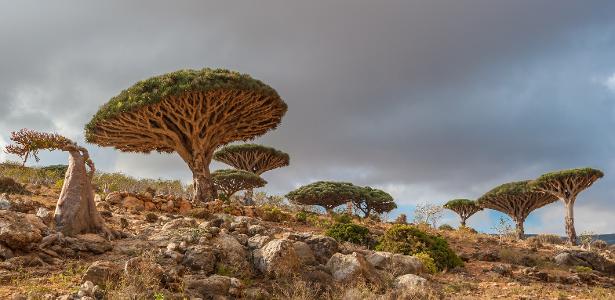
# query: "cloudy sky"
(428, 100)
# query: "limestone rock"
(114, 198)
(276, 258)
(586, 259)
(323, 247)
(410, 282)
(350, 267)
(100, 272)
(18, 231)
(200, 258)
(209, 287)
(132, 203)
(397, 264)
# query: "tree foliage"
(254, 158)
(465, 208)
(230, 181)
(328, 194)
(374, 200)
(516, 199)
(29, 142)
(566, 185)
(191, 112)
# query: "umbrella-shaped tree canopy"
(230, 181)
(191, 112)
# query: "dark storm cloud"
(432, 99)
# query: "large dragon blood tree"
(254, 158)
(465, 208)
(230, 181)
(75, 211)
(374, 200)
(191, 112)
(566, 186)
(328, 194)
(517, 200)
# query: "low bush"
(549, 239)
(199, 213)
(343, 218)
(348, 232)
(301, 217)
(272, 214)
(410, 240)
(10, 186)
(428, 262)
(446, 227)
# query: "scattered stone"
(132, 203)
(5, 203)
(212, 286)
(586, 259)
(258, 241)
(200, 258)
(410, 282)
(5, 252)
(18, 231)
(45, 215)
(100, 272)
(114, 198)
(350, 267)
(179, 223)
(397, 264)
(277, 258)
(304, 252)
(323, 247)
(502, 269)
(256, 229)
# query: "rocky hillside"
(171, 250)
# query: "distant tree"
(230, 181)
(566, 186)
(401, 219)
(517, 200)
(191, 112)
(257, 159)
(374, 200)
(465, 208)
(428, 214)
(75, 211)
(328, 194)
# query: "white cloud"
(610, 82)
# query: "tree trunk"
(520, 232)
(570, 231)
(463, 222)
(204, 189)
(76, 211)
(248, 197)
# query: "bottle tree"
(327, 194)
(75, 210)
(374, 200)
(191, 112)
(517, 200)
(566, 186)
(465, 208)
(230, 181)
(254, 158)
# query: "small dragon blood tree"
(517, 200)
(374, 200)
(257, 159)
(191, 112)
(75, 211)
(328, 194)
(566, 186)
(465, 208)
(231, 181)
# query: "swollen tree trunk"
(463, 222)
(204, 190)
(570, 231)
(76, 211)
(519, 231)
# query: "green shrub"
(301, 217)
(348, 232)
(582, 269)
(343, 218)
(409, 240)
(428, 262)
(446, 227)
(272, 214)
(10, 186)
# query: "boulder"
(586, 259)
(304, 252)
(184, 206)
(322, 246)
(100, 272)
(45, 215)
(350, 267)
(232, 254)
(114, 198)
(256, 229)
(132, 203)
(19, 230)
(213, 286)
(88, 242)
(5, 203)
(200, 258)
(277, 258)
(258, 241)
(149, 206)
(410, 282)
(5, 252)
(397, 264)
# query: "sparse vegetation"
(427, 213)
(10, 186)
(349, 232)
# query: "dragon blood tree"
(231, 181)
(374, 200)
(257, 159)
(465, 208)
(328, 194)
(566, 186)
(517, 200)
(191, 112)
(75, 211)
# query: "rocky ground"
(171, 250)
